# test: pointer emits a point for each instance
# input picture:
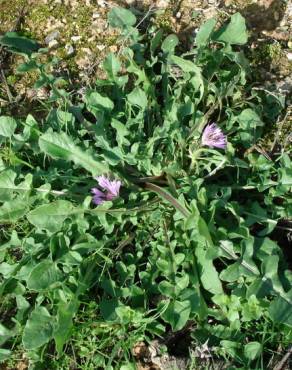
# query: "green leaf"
(234, 32)
(205, 32)
(66, 312)
(5, 334)
(138, 97)
(177, 314)
(281, 309)
(252, 350)
(12, 210)
(108, 308)
(169, 43)
(122, 132)
(51, 216)
(121, 18)
(7, 126)
(97, 103)
(167, 289)
(231, 273)
(249, 119)
(8, 187)
(128, 367)
(44, 275)
(207, 272)
(185, 65)
(4, 354)
(181, 283)
(18, 44)
(112, 65)
(156, 40)
(7, 270)
(38, 329)
(231, 347)
(27, 66)
(60, 145)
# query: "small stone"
(87, 51)
(178, 15)
(289, 56)
(75, 38)
(100, 47)
(162, 4)
(95, 15)
(52, 36)
(69, 49)
(53, 44)
(113, 48)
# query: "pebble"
(289, 56)
(162, 4)
(113, 48)
(75, 38)
(100, 47)
(52, 36)
(87, 51)
(95, 15)
(101, 3)
(53, 44)
(69, 49)
(178, 15)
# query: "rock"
(75, 38)
(162, 4)
(113, 48)
(100, 47)
(95, 15)
(289, 56)
(69, 49)
(55, 35)
(53, 44)
(101, 3)
(87, 51)
(178, 15)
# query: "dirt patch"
(78, 33)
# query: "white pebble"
(75, 38)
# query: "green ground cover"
(144, 209)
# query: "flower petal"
(112, 186)
(213, 137)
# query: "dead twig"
(8, 92)
(285, 358)
(281, 123)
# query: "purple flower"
(111, 190)
(213, 137)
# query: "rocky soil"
(78, 32)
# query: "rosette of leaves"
(187, 241)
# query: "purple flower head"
(111, 190)
(213, 137)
